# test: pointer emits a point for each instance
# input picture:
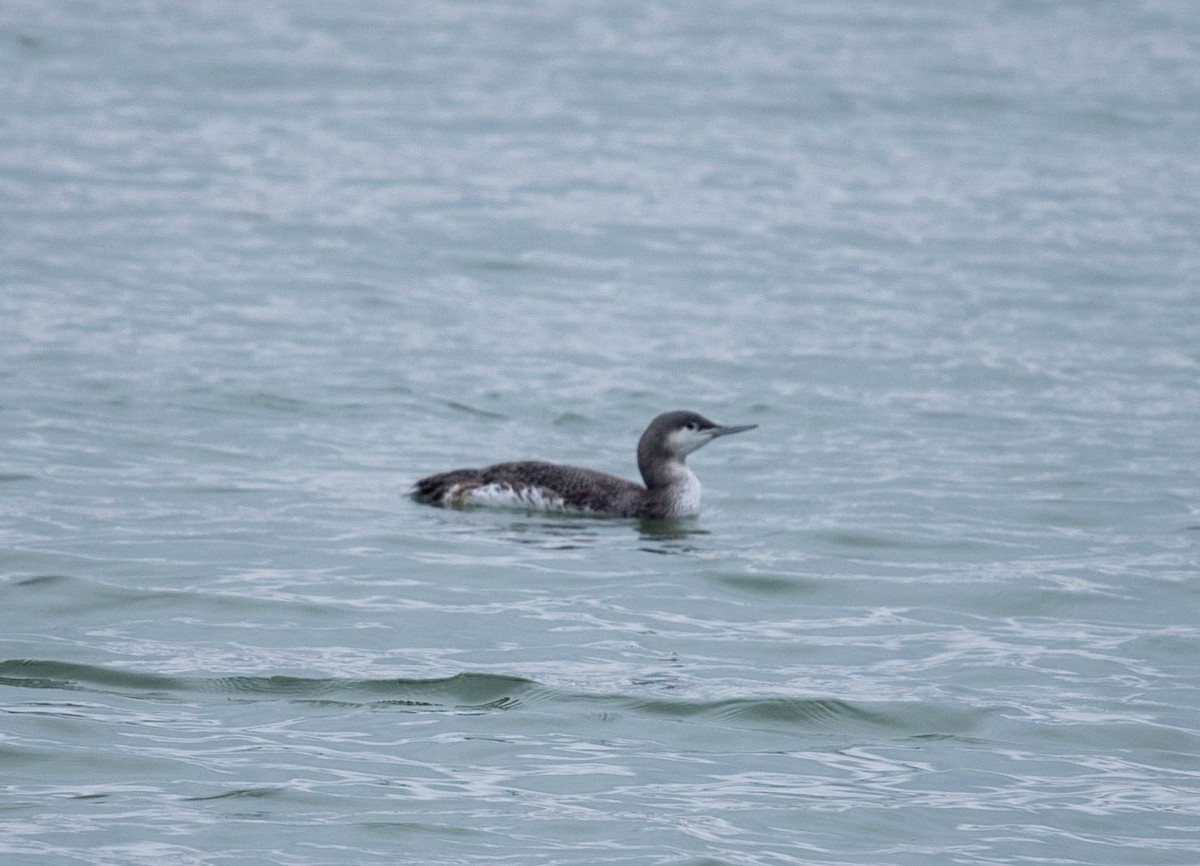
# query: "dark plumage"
(582, 489)
(671, 490)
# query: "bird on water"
(671, 488)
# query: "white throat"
(685, 490)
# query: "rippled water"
(266, 264)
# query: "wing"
(527, 483)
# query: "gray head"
(671, 437)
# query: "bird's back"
(535, 484)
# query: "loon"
(671, 489)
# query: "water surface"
(266, 265)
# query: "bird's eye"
(691, 425)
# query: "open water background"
(264, 264)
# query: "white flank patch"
(506, 496)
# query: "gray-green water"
(264, 264)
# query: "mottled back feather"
(577, 488)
